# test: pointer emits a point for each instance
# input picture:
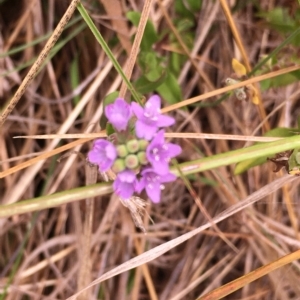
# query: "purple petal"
(153, 193)
(156, 154)
(160, 167)
(168, 177)
(173, 149)
(165, 121)
(150, 112)
(110, 149)
(154, 103)
(123, 190)
(102, 154)
(159, 153)
(144, 131)
(149, 118)
(159, 139)
(140, 185)
(152, 182)
(127, 176)
(137, 110)
(125, 184)
(118, 114)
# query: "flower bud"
(119, 165)
(142, 158)
(133, 146)
(122, 150)
(143, 144)
(131, 161)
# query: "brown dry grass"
(52, 257)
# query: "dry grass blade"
(229, 88)
(160, 250)
(136, 45)
(115, 12)
(30, 173)
(85, 270)
(185, 135)
(231, 287)
(239, 42)
(181, 42)
(186, 53)
(39, 61)
(164, 110)
(42, 157)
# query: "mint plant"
(137, 151)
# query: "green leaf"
(283, 80)
(74, 76)
(265, 84)
(154, 74)
(195, 5)
(170, 89)
(279, 19)
(250, 163)
(110, 98)
(294, 162)
(208, 181)
(176, 62)
(184, 25)
(187, 8)
(182, 10)
(109, 129)
(202, 179)
(150, 64)
(150, 35)
(143, 85)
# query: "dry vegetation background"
(48, 264)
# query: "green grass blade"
(106, 49)
(187, 168)
(236, 156)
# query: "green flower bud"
(133, 146)
(142, 158)
(131, 161)
(122, 150)
(143, 144)
(118, 166)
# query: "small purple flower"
(102, 154)
(149, 118)
(118, 113)
(159, 153)
(152, 182)
(125, 184)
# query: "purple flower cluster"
(140, 159)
